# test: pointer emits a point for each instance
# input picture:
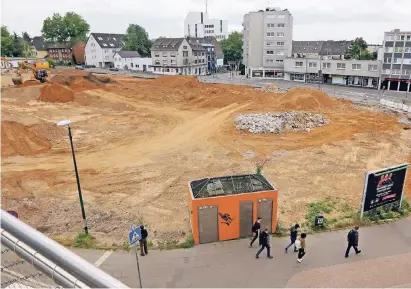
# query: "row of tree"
(15, 45)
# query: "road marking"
(103, 258)
(29, 280)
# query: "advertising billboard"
(384, 187)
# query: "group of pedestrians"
(298, 243)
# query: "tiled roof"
(307, 46)
(108, 40)
(57, 46)
(128, 54)
(332, 47)
(170, 44)
(39, 43)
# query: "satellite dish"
(63, 123)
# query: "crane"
(39, 74)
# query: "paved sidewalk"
(384, 261)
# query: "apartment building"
(363, 73)
(267, 41)
(209, 44)
(60, 52)
(131, 60)
(101, 47)
(396, 69)
(173, 56)
(199, 25)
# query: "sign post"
(384, 187)
(134, 236)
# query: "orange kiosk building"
(225, 208)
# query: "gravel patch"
(278, 122)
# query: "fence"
(46, 258)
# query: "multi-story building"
(39, 46)
(267, 41)
(364, 73)
(131, 60)
(210, 51)
(177, 56)
(60, 52)
(198, 25)
(396, 69)
(101, 47)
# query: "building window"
(280, 25)
(372, 67)
(270, 52)
(340, 65)
(326, 65)
(164, 54)
(157, 62)
(165, 62)
(280, 34)
(387, 71)
(279, 52)
(202, 53)
(402, 37)
(156, 54)
(269, 43)
(356, 67)
(399, 49)
(172, 54)
(195, 53)
(269, 60)
(131, 64)
(280, 43)
(173, 61)
(312, 64)
(185, 53)
(408, 37)
(298, 64)
(195, 61)
(111, 44)
(99, 38)
(387, 60)
(104, 44)
(270, 34)
(389, 49)
(184, 47)
(279, 60)
(270, 25)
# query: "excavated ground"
(138, 142)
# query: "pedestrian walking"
(264, 243)
(143, 241)
(352, 239)
(300, 245)
(293, 237)
(256, 230)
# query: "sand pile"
(30, 83)
(178, 81)
(17, 139)
(305, 98)
(79, 83)
(54, 92)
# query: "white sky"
(313, 19)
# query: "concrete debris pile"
(278, 122)
(272, 88)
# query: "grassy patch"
(280, 231)
(84, 240)
(188, 242)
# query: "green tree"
(64, 29)
(233, 47)
(136, 39)
(6, 44)
(26, 37)
(358, 50)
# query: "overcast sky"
(313, 19)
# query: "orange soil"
(54, 92)
(20, 140)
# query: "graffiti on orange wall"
(226, 219)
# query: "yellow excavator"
(38, 73)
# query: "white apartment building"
(131, 60)
(267, 41)
(198, 25)
(101, 47)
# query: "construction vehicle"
(39, 74)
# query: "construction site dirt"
(138, 142)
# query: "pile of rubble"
(272, 88)
(278, 122)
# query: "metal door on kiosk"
(208, 224)
(246, 218)
(265, 211)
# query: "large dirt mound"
(79, 83)
(305, 98)
(178, 81)
(54, 92)
(17, 139)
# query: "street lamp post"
(83, 212)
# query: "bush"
(188, 242)
(51, 62)
(84, 240)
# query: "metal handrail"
(57, 254)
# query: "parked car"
(80, 67)
(113, 69)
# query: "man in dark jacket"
(293, 237)
(352, 239)
(143, 241)
(264, 243)
(256, 230)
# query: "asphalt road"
(384, 262)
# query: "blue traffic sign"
(14, 213)
(134, 235)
